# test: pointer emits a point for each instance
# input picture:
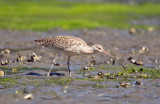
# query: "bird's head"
(99, 48)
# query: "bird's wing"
(61, 42)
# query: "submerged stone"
(6, 51)
(138, 82)
(28, 97)
(2, 73)
(125, 84)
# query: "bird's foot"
(48, 74)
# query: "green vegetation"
(20, 68)
(143, 72)
(59, 81)
(46, 14)
(120, 75)
(9, 81)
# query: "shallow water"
(33, 79)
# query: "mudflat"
(26, 65)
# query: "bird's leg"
(68, 63)
(52, 64)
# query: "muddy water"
(120, 43)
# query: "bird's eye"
(99, 48)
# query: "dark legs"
(52, 65)
(68, 63)
(48, 74)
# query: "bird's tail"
(44, 41)
(39, 42)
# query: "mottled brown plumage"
(61, 41)
(70, 46)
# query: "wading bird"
(70, 46)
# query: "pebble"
(6, 51)
(34, 57)
(2, 73)
(143, 50)
(88, 68)
(85, 68)
(131, 60)
(21, 58)
(138, 82)
(65, 89)
(100, 73)
(132, 30)
(138, 63)
(28, 97)
(5, 62)
(133, 51)
(92, 62)
(125, 84)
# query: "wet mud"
(25, 67)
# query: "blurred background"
(43, 15)
(128, 29)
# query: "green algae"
(119, 75)
(9, 81)
(59, 81)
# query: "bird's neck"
(88, 50)
(93, 51)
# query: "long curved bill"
(105, 52)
